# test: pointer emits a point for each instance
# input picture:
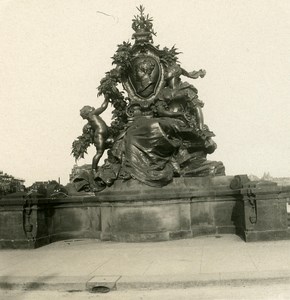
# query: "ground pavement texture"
(95, 267)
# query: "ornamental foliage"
(80, 146)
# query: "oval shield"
(145, 75)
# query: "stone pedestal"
(133, 212)
(264, 211)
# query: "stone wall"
(133, 212)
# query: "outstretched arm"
(102, 108)
(194, 74)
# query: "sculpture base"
(133, 212)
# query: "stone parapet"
(134, 212)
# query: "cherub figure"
(97, 128)
(182, 101)
(183, 91)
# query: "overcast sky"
(54, 53)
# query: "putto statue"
(97, 128)
(158, 130)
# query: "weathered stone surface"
(264, 211)
(134, 212)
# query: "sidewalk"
(85, 264)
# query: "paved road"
(263, 268)
(262, 292)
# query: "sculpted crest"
(146, 78)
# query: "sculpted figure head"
(144, 69)
(84, 112)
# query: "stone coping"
(189, 188)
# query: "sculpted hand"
(202, 73)
(195, 74)
(87, 128)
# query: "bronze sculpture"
(158, 131)
(97, 128)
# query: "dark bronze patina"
(158, 130)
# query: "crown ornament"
(143, 27)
